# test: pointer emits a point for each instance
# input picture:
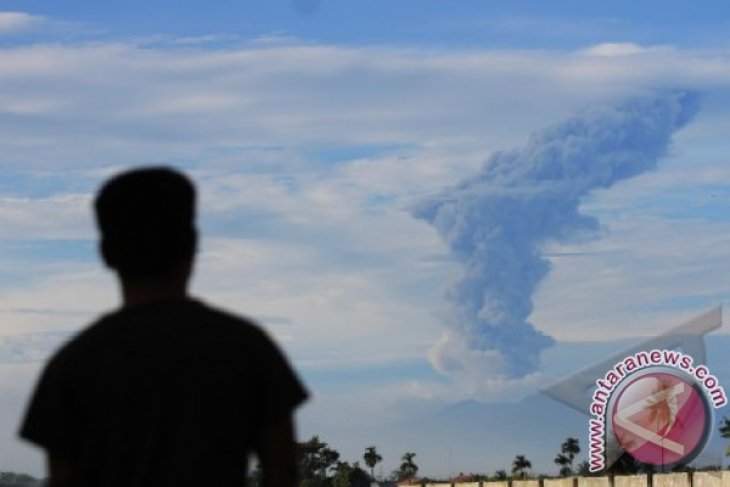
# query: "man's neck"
(141, 292)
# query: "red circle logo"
(660, 418)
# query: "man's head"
(147, 222)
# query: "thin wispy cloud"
(615, 49)
(17, 22)
(60, 216)
(113, 103)
(31, 347)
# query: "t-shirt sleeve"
(49, 420)
(280, 390)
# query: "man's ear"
(106, 254)
(190, 245)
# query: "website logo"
(661, 419)
(655, 406)
(651, 401)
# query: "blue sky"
(312, 129)
(469, 23)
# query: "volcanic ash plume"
(496, 222)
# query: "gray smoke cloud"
(496, 222)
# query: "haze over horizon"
(314, 129)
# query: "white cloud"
(338, 311)
(48, 296)
(60, 216)
(219, 110)
(613, 50)
(110, 103)
(31, 347)
(14, 22)
(326, 242)
(16, 383)
(642, 277)
(115, 103)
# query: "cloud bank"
(496, 223)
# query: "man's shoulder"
(127, 324)
(220, 315)
(203, 315)
(84, 341)
(180, 325)
(191, 310)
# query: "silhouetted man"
(166, 391)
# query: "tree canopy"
(568, 450)
(314, 460)
(520, 465)
(371, 458)
(408, 468)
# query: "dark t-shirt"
(173, 393)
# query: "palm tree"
(568, 450)
(519, 465)
(371, 458)
(314, 458)
(571, 447)
(584, 469)
(564, 462)
(408, 469)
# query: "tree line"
(319, 465)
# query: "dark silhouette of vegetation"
(568, 450)
(347, 475)
(319, 465)
(408, 469)
(314, 459)
(725, 432)
(13, 479)
(473, 477)
(371, 458)
(584, 470)
(628, 465)
(520, 465)
(500, 475)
